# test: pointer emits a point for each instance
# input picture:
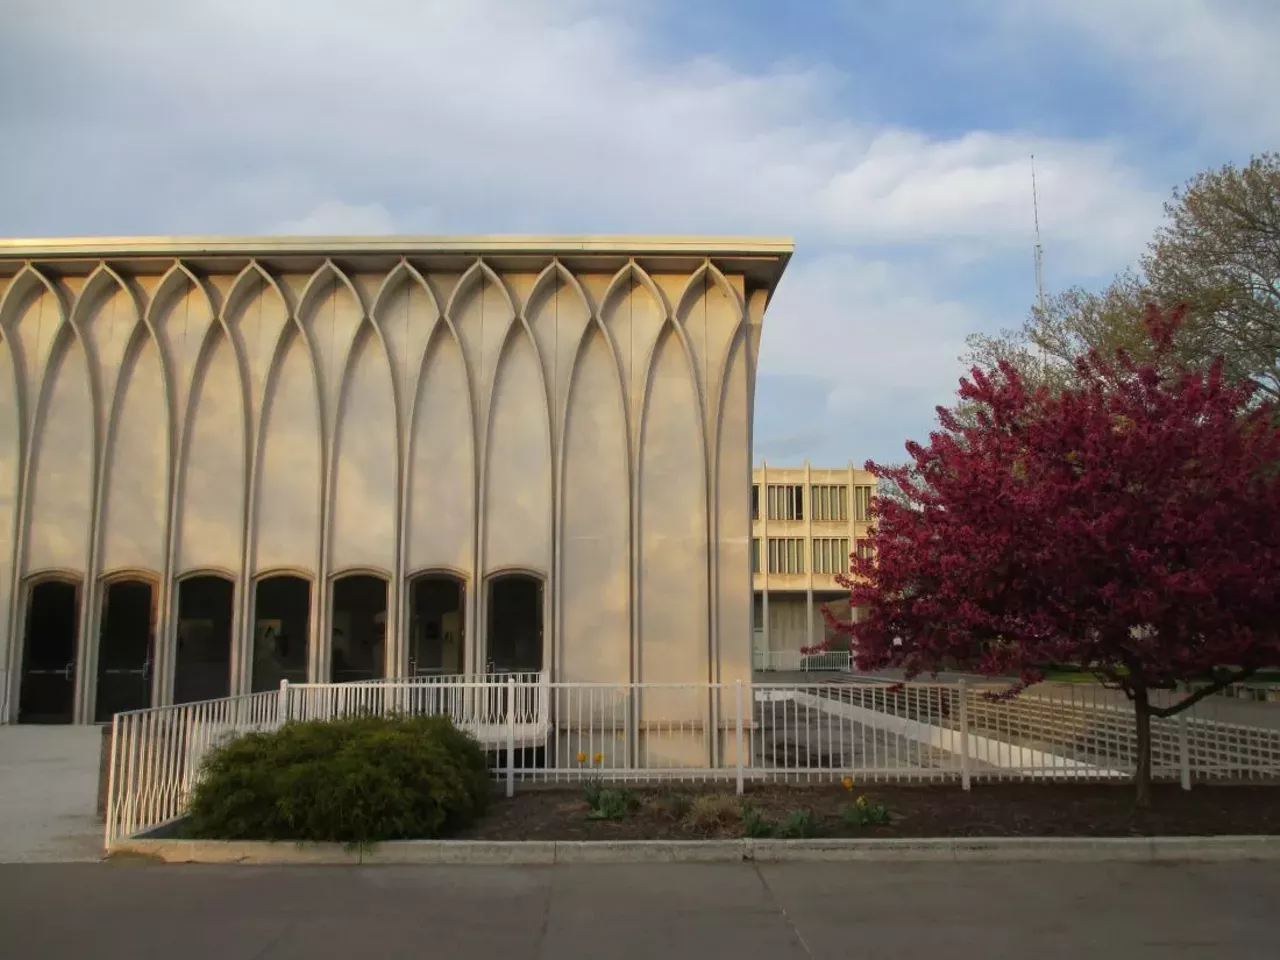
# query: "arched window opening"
(125, 648)
(359, 628)
(206, 609)
(514, 624)
(48, 692)
(436, 625)
(281, 626)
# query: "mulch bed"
(988, 810)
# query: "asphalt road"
(740, 911)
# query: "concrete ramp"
(48, 794)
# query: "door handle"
(68, 670)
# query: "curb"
(546, 852)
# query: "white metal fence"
(538, 731)
(156, 755)
(797, 661)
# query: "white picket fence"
(538, 731)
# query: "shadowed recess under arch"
(366, 460)
(287, 503)
(517, 483)
(558, 313)
(406, 312)
(135, 496)
(595, 568)
(633, 312)
(181, 314)
(62, 461)
(672, 538)
(440, 507)
(213, 467)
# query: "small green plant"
(755, 824)
(712, 811)
(613, 805)
(593, 784)
(866, 813)
(799, 825)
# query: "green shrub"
(613, 805)
(356, 780)
(755, 824)
(799, 825)
(866, 813)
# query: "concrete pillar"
(764, 548)
(806, 496)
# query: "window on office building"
(829, 502)
(755, 555)
(830, 554)
(786, 555)
(755, 501)
(864, 550)
(862, 503)
(786, 501)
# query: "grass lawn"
(1266, 677)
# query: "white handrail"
(540, 731)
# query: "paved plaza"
(745, 911)
(48, 789)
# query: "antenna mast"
(1039, 257)
(1035, 209)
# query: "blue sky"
(890, 137)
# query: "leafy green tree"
(1218, 255)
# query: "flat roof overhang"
(761, 260)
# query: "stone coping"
(546, 852)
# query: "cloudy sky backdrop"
(890, 137)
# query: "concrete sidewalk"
(48, 792)
(742, 911)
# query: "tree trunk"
(1142, 769)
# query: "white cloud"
(514, 115)
(489, 115)
(877, 331)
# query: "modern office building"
(227, 462)
(805, 523)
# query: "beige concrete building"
(226, 462)
(805, 522)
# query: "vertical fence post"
(1184, 753)
(112, 807)
(964, 733)
(511, 736)
(738, 712)
(282, 711)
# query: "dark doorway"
(281, 625)
(124, 648)
(515, 624)
(436, 623)
(359, 628)
(48, 693)
(206, 608)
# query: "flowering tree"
(1129, 524)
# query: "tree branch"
(1219, 684)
